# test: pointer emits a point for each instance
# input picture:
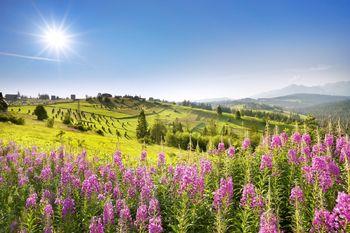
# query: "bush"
(50, 122)
(67, 120)
(81, 127)
(11, 118)
(158, 131)
(40, 112)
(100, 132)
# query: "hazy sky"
(174, 49)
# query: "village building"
(44, 97)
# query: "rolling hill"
(116, 119)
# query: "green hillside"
(116, 119)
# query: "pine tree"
(219, 110)
(141, 130)
(238, 115)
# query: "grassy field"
(120, 117)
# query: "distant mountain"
(298, 101)
(337, 88)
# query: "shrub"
(50, 122)
(81, 127)
(15, 120)
(40, 112)
(100, 132)
(67, 120)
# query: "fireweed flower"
(293, 157)
(296, 194)
(231, 151)
(153, 208)
(46, 195)
(116, 192)
(100, 197)
(250, 198)
(141, 216)
(119, 204)
(143, 155)
(22, 180)
(108, 186)
(96, 225)
(328, 140)
(345, 153)
(188, 180)
(284, 137)
(266, 162)
(68, 206)
(246, 143)
(324, 169)
(342, 209)
(323, 221)
(306, 139)
(223, 196)
(90, 185)
(206, 166)
(125, 215)
(129, 177)
(318, 149)
(161, 159)
(48, 211)
(118, 160)
(340, 143)
(221, 147)
(144, 183)
(268, 223)
(31, 200)
(46, 173)
(155, 225)
(307, 152)
(66, 174)
(276, 141)
(296, 138)
(108, 213)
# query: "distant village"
(13, 98)
(18, 96)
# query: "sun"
(56, 39)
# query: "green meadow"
(119, 117)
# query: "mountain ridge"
(341, 88)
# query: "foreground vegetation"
(295, 183)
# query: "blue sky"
(175, 49)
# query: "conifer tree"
(141, 130)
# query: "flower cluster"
(296, 194)
(324, 169)
(266, 162)
(223, 196)
(250, 198)
(268, 223)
